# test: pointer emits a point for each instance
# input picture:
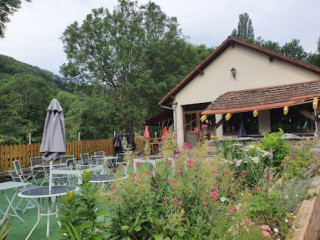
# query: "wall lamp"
(233, 71)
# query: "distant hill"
(11, 66)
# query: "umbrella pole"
(50, 177)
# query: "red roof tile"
(229, 42)
(264, 98)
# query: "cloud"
(34, 32)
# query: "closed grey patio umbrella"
(53, 144)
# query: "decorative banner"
(146, 132)
(165, 132)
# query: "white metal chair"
(99, 153)
(85, 159)
(38, 168)
(67, 160)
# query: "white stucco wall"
(253, 70)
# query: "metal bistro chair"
(120, 160)
(38, 168)
(97, 160)
(19, 176)
(85, 159)
(67, 160)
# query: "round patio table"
(42, 193)
(107, 178)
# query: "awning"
(163, 118)
(264, 98)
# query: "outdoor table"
(41, 193)
(108, 178)
(11, 185)
(144, 160)
(78, 170)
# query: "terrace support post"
(317, 122)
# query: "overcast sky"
(33, 34)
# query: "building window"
(232, 126)
(293, 122)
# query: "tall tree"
(7, 8)
(294, 49)
(244, 30)
(136, 52)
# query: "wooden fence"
(9, 153)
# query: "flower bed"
(193, 195)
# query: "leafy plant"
(278, 145)
(79, 212)
(4, 230)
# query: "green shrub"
(279, 146)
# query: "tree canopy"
(7, 8)
(244, 31)
(136, 52)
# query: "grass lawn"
(20, 229)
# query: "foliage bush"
(277, 144)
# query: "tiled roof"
(229, 42)
(264, 98)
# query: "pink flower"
(266, 228)
(226, 172)
(266, 234)
(141, 154)
(256, 189)
(114, 197)
(135, 174)
(232, 192)
(190, 177)
(174, 180)
(244, 172)
(169, 180)
(169, 163)
(173, 188)
(213, 171)
(175, 200)
(180, 203)
(138, 163)
(178, 171)
(140, 179)
(113, 188)
(204, 198)
(166, 198)
(132, 179)
(246, 185)
(204, 126)
(147, 172)
(213, 152)
(205, 204)
(214, 195)
(214, 189)
(235, 161)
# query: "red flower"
(113, 188)
(244, 172)
(190, 177)
(226, 172)
(232, 192)
(180, 203)
(175, 200)
(132, 179)
(204, 198)
(169, 180)
(178, 171)
(256, 189)
(246, 185)
(135, 174)
(214, 196)
(173, 188)
(166, 198)
(214, 189)
(148, 172)
(174, 180)
(213, 171)
(205, 204)
(169, 163)
(138, 163)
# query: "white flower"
(255, 159)
(293, 227)
(297, 195)
(241, 194)
(223, 199)
(276, 230)
(291, 214)
(286, 197)
(286, 220)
